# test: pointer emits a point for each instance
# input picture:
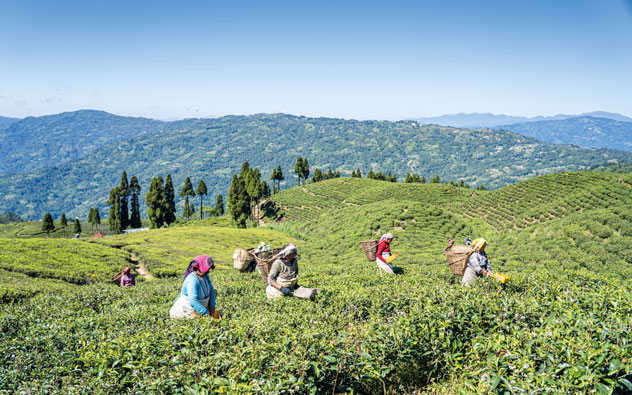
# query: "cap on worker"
(203, 263)
(127, 270)
(479, 244)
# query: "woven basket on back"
(116, 279)
(457, 256)
(264, 261)
(370, 249)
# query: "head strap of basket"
(478, 244)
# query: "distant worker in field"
(477, 264)
(197, 297)
(383, 252)
(127, 279)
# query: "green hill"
(39, 142)
(214, 149)
(560, 326)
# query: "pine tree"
(201, 191)
(64, 222)
(97, 219)
(91, 218)
(155, 200)
(47, 224)
(238, 204)
(186, 212)
(279, 178)
(77, 227)
(298, 169)
(305, 170)
(187, 190)
(114, 202)
(265, 190)
(318, 175)
(461, 184)
(134, 217)
(169, 209)
(370, 175)
(423, 179)
(124, 193)
(408, 179)
(435, 180)
(219, 205)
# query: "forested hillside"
(6, 121)
(588, 132)
(214, 149)
(39, 142)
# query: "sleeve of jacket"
(193, 294)
(475, 262)
(274, 271)
(380, 249)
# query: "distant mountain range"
(214, 149)
(584, 131)
(487, 120)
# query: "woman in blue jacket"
(197, 297)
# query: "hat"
(127, 269)
(203, 263)
(479, 244)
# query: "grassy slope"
(560, 329)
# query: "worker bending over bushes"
(383, 252)
(477, 263)
(197, 297)
(283, 273)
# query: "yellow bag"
(392, 257)
(501, 278)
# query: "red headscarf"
(203, 263)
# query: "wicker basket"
(242, 259)
(370, 249)
(264, 261)
(116, 279)
(457, 256)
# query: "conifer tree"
(370, 175)
(134, 217)
(124, 193)
(77, 227)
(238, 202)
(91, 218)
(423, 179)
(305, 170)
(47, 224)
(97, 219)
(201, 191)
(187, 190)
(186, 212)
(64, 222)
(318, 175)
(113, 202)
(279, 178)
(169, 209)
(155, 201)
(273, 178)
(219, 205)
(298, 169)
(408, 179)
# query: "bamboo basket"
(116, 279)
(264, 261)
(457, 256)
(370, 249)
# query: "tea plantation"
(561, 325)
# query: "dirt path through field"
(140, 267)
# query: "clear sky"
(352, 59)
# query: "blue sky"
(362, 60)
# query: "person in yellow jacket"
(477, 264)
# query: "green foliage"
(219, 205)
(47, 223)
(77, 227)
(492, 158)
(238, 203)
(124, 193)
(9, 217)
(169, 207)
(201, 191)
(155, 200)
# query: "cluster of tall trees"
(301, 169)
(94, 218)
(319, 175)
(246, 191)
(356, 174)
(124, 205)
(48, 225)
(276, 178)
(412, 178)
(380, 176)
